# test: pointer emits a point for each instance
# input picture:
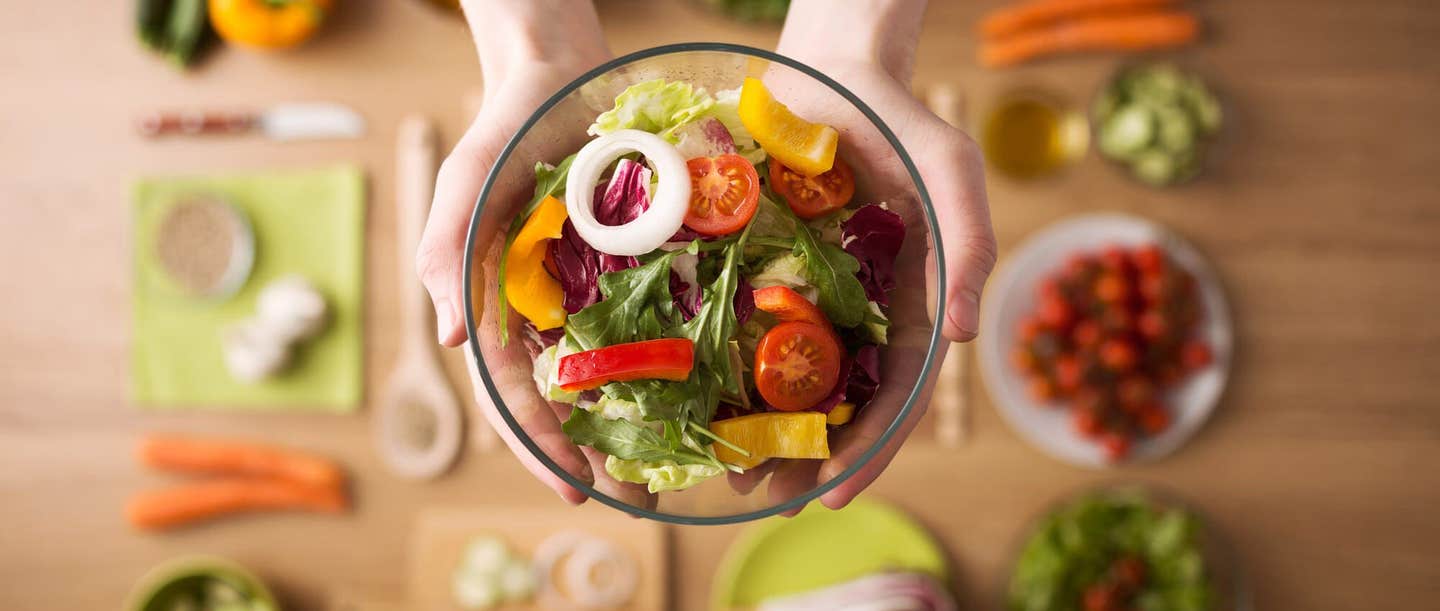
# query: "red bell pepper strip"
(662, 359)
(789, 306)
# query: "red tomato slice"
(724, 194)
(797, 365)
(663, 359)
(788, 305)
(813, 196)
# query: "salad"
(700, 284)
(1112, 551)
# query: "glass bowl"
(884, 173)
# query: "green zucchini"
(150, 19)
(185, 30)
(1154, 167)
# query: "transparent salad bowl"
(884, 173)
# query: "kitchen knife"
(296, 121)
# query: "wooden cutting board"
(441, 535)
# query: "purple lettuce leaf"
(744, 301)
(859, 379)
(874, 235)
(578, 265)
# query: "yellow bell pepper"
(807, 148)
(842, 414)
(772, 435)
(267, 24)
(529, 288)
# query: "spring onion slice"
(667, 208)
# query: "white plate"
(1011, 295)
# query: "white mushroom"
(292, 308)
(252, 351)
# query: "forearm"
(863, 31)
(508, 32)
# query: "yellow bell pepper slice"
(529, 288)
(841, 414)
(807, 148)
(772, 435)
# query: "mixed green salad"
(696, 283)
(1112, 551)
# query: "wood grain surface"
(1321, 214)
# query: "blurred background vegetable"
(268, 24)
(177, 29)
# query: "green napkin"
(310, 223)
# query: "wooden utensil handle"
(188, 123)
(416, 166)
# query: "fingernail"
(587, 474)
(444, 319)
(964, 313)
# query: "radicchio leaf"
(744, 301)
(873, 235)
(578, 266)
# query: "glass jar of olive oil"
(1029, 134)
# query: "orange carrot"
(1119, 33)
(1011, 19)
(192, 455)
(198, 501)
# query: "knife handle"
(195, 123)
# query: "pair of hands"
(531, 48)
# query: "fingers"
(538, 420)
(745, 483)
(854, 440)
(954, 173)
(791, 479)
(440, 258)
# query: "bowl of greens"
(1158, 121)
(200, 583)
(1123, 547)
(698, 267)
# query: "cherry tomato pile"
(1112, 330)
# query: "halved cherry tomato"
(660, 359)
(788, 305)
(724, 194)
(813, 196)
(797, 365)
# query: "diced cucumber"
(1154, 168)
(1160, 84)
(1128, 131)
(1105, 105)
(1205, 108)
(1177, 129)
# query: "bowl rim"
(471, 323)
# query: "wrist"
(883, 33)
(562, 33)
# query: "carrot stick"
(1119, 33)
(203, 500)
(192, 455)
(1011, 19)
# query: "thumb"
(439, 260)
(956, 178)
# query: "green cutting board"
(821, 548)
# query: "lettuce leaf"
(832, 271)
(627, 440)
(659, 475)
(636, 306)
(874, 235)
(547, 374)
(664, 107)
(656, 106)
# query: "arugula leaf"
(549, 181)
(635, 300)
(626, 440)
(711, 329)
(832, 271)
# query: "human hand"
(875, 62)
(528, 50)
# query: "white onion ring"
(581, 555)
(657, 223)
(593, 554)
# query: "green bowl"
(162, 583)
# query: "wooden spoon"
(951, 400)
(419, 425)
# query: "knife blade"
(283, 122)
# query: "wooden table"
(1322, 216)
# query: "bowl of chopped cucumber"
(1157, 121)
(201, 583)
